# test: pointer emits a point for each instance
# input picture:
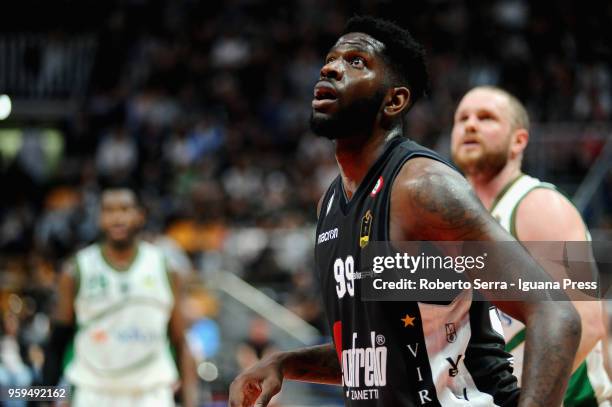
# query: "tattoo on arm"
(548, 359)
(442, 206)
(449, 207)
(316, 364)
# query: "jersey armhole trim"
(513, 231)
(516, 340)
(542, 185)
(503, 192)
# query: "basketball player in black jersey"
(391, 189)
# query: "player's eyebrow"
(363, 43)
(352, 49)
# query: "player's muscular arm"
(62, 328)
(318, 364)
(66, 293)
(534, 224)
(186, 362)
(257, 385)
(432, 202)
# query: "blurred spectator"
(14, 372)
(117, 155)
(201, 308)
(305, 300)
(256, 345)
(57, 231)
(593, 99)
(203, 228)
(16, 226)
(229, 51)
(32, 156)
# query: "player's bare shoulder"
(432, 201)
(543, 207)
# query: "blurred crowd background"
(203, 108)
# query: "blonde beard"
(486, 165)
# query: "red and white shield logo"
(377, 187)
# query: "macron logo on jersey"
(326, 236)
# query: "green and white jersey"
(122, 343)
(589, 385)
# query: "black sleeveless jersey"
(402, 353)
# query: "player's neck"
(119, 256)
(355, 156)
(488, 187)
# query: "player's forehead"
(118, 197)
(359, 41)
(482, 99)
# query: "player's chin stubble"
(358, 118)
(489, 163)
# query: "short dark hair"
(123, 187)
(402, 53)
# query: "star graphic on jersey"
(408, 320)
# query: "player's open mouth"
(323, 92)
(122, 229)
(471, 142)
(324, 95)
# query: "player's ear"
(518, 143)
(397, 101)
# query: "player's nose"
(332, 70)
(471, 124)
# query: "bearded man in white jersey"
(123, 300)
(489, 137)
